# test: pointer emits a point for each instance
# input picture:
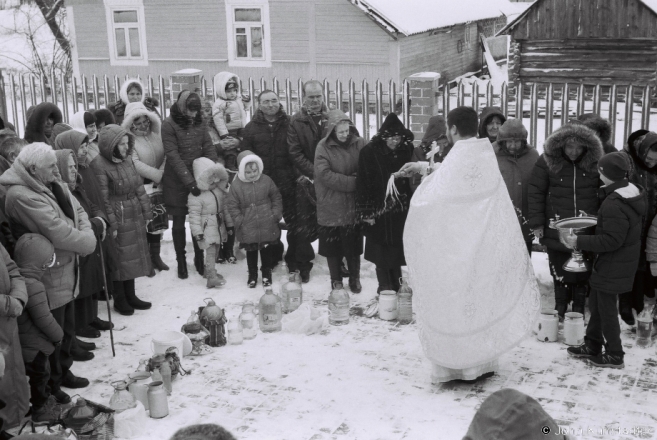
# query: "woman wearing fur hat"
(128, 209)
(41, 121)
(149, 159)
(641, 150)
(132, 91)
(385, 216)
(564, 183)
(602, 128)
(516, 159)
(208, 216)
(185, 138)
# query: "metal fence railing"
(367, 104)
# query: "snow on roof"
(414, 16)
(652, 4)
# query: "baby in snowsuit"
(256, 206)
(208, 217)
(229, 114)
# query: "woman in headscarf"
(185, 138)
(128, 209)
(83, 184)
(148, 157)
(385, 214)
(131, 91)
(91, 270)
(490, 121)
(336, 166)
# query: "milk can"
(157, 400)
(247, 319)
(548, 326)
(573, 329)
(138, 386)
(388, 305)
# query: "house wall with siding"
(309, 39)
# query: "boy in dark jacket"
(37, 329)
(617, 241)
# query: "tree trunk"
(49, 9)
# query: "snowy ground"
(365, 380)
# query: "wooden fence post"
(3, 99)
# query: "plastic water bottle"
(235, 335)
(292, 293)
(338, 303)
(405, 303)
(247, 319)
(644, 329)
(271, 312)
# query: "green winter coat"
(335, 172)
(126, 203)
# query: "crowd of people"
(83, 207)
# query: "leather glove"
(195, 191)
(199, 237)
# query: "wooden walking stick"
(109, 313)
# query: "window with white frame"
(248, 33)
(126, 32)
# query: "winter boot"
(354, 274)
(625, 308)
(561, 298)
(131, 297)
(199, 258)
(179, 243)
(253, 279)
(343, 269)
(583, 351)
(607, 360)
(121, 304)
(155, 257)
(46, 413)
(395, 276)
(383, 277)
(221, 254)
(266, 277)
(214, 279)
(228, 246)
(579, 298)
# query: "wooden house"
(585, 41)
(333, 39)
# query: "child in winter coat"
(256, 207)
(205, 214)
(37, 329)
(229, 113)
(617, 241)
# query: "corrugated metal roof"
(414, 16)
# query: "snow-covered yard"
(366, 380)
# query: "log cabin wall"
(585, 41)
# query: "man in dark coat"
(490, 121)
(617, 243)
(383, 156)
(185, 138)
(641, 150)
(40, 123)
(516, 159)
(565, 183)
(307, 128)
(266, 136)
(36, 202)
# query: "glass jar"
(122, 399)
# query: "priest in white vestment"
(475, 294)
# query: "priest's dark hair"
(465, 119)
(208, 431)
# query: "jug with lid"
(157, 400)
(213, 319)
(247, 319)
(138, 386)
(271, 312)
(404, 302)
(338, 303)
(388, 305)
(292, 292)
(235, 336)
(573, 328)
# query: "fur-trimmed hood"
(554, 148)
(601, 127)
(136, 109)
(219, 83)
(34, 127)
(638, 144)
(108, 139)
(245, 157)
(207, 172)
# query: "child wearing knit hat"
(617, 243)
